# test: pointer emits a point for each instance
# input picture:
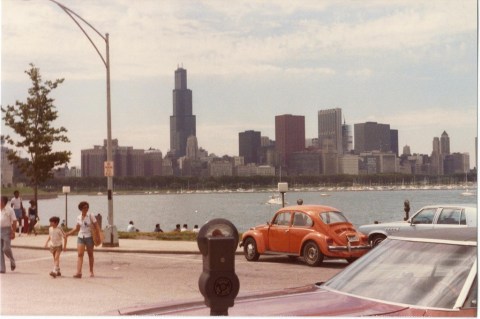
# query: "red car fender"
(259, 237)
(319, 238)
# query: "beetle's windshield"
(408, 272)
(333, 217)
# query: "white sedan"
(429, 217)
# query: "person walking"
(8, 223)
(17, 206)
(55, 237)
(32, 217)
(84, 240)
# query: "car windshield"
(333, 217)
(408, 272)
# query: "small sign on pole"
(108, 168)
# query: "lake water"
(243, 209)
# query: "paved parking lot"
(124, 279)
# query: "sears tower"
(182, 122)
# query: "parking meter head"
(215, 228)
(218, 283)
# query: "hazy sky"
(411, 64)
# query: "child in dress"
(55, 235)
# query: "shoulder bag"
(97, 234)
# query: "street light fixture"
(111, 234)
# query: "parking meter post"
(218, 283)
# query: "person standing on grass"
(55, 236)
(32, 217)
(8, 222)
(17, 206)
(85, 240)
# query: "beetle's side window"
(302, 220)
(424, 217)
(282, 219)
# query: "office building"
(444, 144)
(372, 136)
(182, 122)
(249, 143)
(153, 162)
(347, 139)
(330, 127)
(127, 161)
(6, 167)
(289, 136)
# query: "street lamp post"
(110, 232)
(66, 190)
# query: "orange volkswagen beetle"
(309, 231)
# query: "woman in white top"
(85, 239)
(7, 233)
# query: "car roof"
(464, 234)
(470, 205)
(307, 208)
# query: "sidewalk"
(125, 245)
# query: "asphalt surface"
(125, 245)
(135, 274)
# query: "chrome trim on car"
(348, 247)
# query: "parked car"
(426, 273)
(429, 217)
(309, 231)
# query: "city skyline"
(411, 65)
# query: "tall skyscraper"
(444, 144)
(249, 143)
(330, 127)
(372, 136)
(347, 138)
(192, 147)
(182, 122)
(289, 136)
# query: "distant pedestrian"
(32, 217)
(184, 228)
(195, 229)
(56, 236)
(84, 239)
(17, 206)
(158, 229)
(177, 228)
(7, 233)
(131, 228)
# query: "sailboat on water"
(467, 192)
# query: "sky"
(411, 64)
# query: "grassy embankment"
(184, 236)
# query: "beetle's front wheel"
(250, 249)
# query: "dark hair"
(82, 203)
(54, 219)
(5, 199)
(32, 202)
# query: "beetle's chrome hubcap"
(312, 253)
(251, 249)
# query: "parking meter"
(218, 283)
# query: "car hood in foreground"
(303, 301)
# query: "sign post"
(66, 190)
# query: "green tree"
(32, 123)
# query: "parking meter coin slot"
(221, 255)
